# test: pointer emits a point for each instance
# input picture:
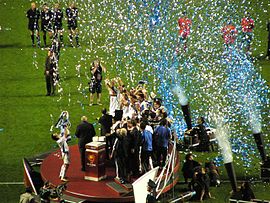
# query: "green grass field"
(26, 114)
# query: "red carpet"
(77, 186)
(85, 189)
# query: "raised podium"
(95, 155)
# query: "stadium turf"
(27, 114)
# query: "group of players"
(229, 31)
(51, 23)
(137, 129)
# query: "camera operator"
(95, 83)
(50, 192)
(45, 192)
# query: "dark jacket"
(106, 124)
(85, 132)
(50, 65)
(188, 168)
(247, 193)
(134, 139)
(121, 148)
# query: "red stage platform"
(84, 189)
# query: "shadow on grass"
(15, 46)
(24, 96)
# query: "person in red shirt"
(184, 29)
(229, 33)
(247, 24)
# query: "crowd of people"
(136, 126)
(201, 177)
(137, 129)
(52, 23)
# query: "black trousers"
(109, 145)
(82, 152)
(145, 156)
(50, 84)
(122, 169)
(134, 163)
(162, 151)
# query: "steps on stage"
(71, 199)
(119, 188)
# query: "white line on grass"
(11, 183)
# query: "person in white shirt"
(62, 143)
(114, 96)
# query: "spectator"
(214, 178)
(45, 192)
(27, 196)
(188, 167)
(200, 184)
(213, 173)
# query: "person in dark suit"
(50, 72)
(85, 132)
(106, 123)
